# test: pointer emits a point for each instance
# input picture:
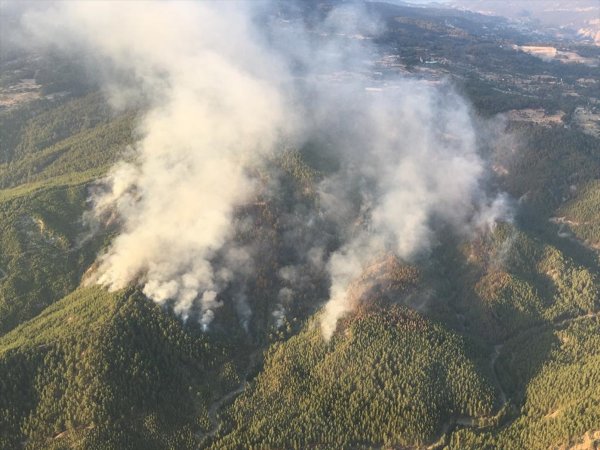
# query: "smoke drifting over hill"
(222, 99)
(417, 154)
(215, 109)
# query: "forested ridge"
(387, 378)
(108, 371)
(489, 341)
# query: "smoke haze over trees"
(219, 108)
(330, 224)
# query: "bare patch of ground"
(587, 120)
(24, 91)
(537, 116)
(553, 414)
(549, 53)
(589, 441)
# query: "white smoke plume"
(215, 110)
(416, 151)
(221, 97)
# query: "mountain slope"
(100, 370)
(389, 377)
(489, 340)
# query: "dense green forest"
(52, 158)
(389, 377)
(552, 375)
(490, 342)
(103, 370)
(580, 213)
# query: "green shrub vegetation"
(108, 371)
(489, 342)
(388, 377)
(556, 374)
(582, 213)
(43, 255)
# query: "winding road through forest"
(465, 421)
(215, 407)
(468, 421)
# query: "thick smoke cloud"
(415, 156)
(221, 98)
(215, 109)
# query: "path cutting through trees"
(465, 421)
(215, 407)
(468, 421)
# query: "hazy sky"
(578, 15)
